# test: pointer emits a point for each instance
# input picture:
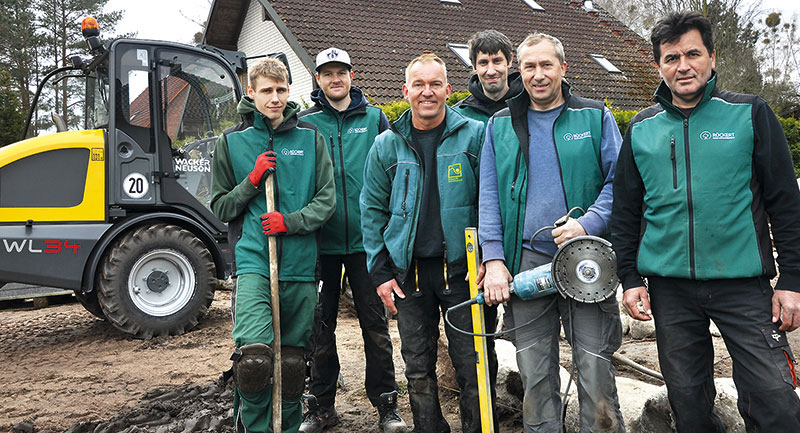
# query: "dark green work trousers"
(252, 412)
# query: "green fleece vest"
(697, 174)
(295, 187)
(577, 133)
(349, 139)
(457, 176)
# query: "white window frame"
(533, 5)
(605, 63)
(462, 53)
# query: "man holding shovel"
(270, 136)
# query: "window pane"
(198, 100)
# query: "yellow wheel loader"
(116, 206)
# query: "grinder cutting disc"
(585, 269)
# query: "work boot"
(317, 418)
(387, 412)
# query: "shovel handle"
(277, 391)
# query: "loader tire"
(156, 280)
(90, 302)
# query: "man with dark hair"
(549, 152)
(701, 177)
(491, 54)
(343, 116)
(420, 193)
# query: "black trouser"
(763, 365)
(427, 293)
(374, 330)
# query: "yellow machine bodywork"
(93, 205)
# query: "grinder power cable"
(583, 269)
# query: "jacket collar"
(289, 119)
(357, 100)
(479, 101)
(519, 104)
(663, 94)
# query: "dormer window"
(605, 63)
(535, 6)
(462, 52)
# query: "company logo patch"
(98, 154)
(454, 172)
(357, 130)
(708, 135)
(333, 54)
(578, 136)
(292, 152)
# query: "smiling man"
(271, 142)
(548, 152)
(349, 124)
(491, 85)
(702, 176)
(420, 193)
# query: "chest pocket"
(404, 188)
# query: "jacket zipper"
(674, 163)
(405, 194)
(690, 206)
(333, 153)
(344, 194)
(516, 173)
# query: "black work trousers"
(763, 364)
(428, 295)
(374, 329)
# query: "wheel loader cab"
(116, 206)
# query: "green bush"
(791, 127)
(457, 96)
(623, 119)
(394, 109)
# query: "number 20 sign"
(135, 185)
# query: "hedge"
(791, 126)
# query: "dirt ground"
(62, 369)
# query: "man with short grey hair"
(548, 152)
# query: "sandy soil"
(62, 369)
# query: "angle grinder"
(584, 269)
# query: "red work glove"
(265, 164)
(273, 223)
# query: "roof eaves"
(289, 36)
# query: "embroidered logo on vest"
(454, 172)
(707, 135)
(577, 136)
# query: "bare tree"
(735, 35)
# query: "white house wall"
(262, 37)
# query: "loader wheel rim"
(161, 282)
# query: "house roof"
(382, 37)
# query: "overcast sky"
(168, 20)
(171, 20)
